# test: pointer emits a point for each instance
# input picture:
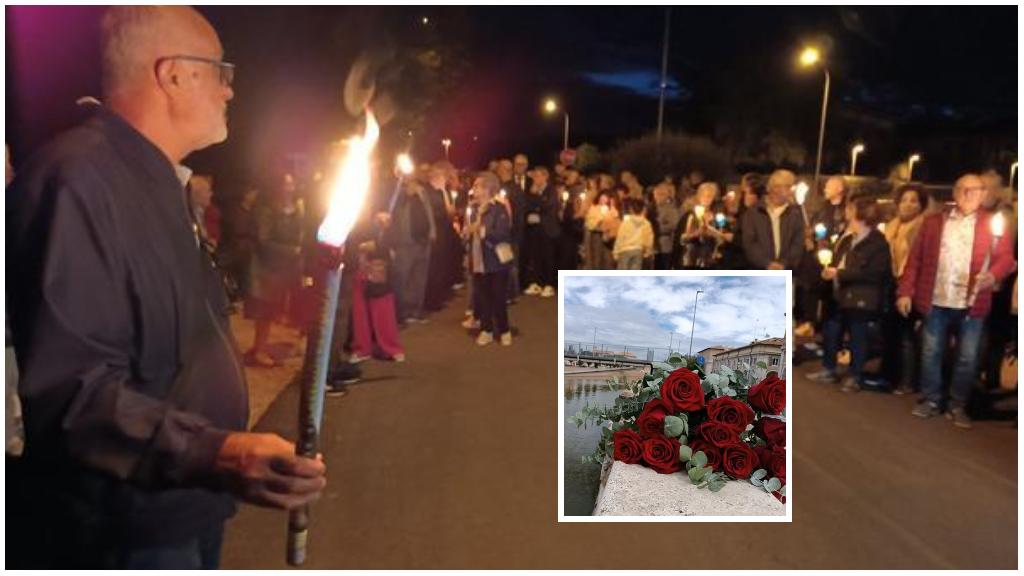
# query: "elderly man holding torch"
(135, 401)
(957, 257)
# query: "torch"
(720, 220)
(998, 225)
(347, 195)
(825, 257)
(820, 231)
(405, 168)
(800, 191)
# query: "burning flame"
(698, 211)
(350, 186)
(405, 165)
(800, 190)
(820, 231)
(998, 225)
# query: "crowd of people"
(887, 277)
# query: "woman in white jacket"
(635, 239)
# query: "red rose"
(771, 430)
(681, 391)
(717, 433)
(731, 412)
(769, 395)
(652, 419)
(628, 446)
(764, 455)
(777, 463)
(710, 450)
(739, 460)
(662, 454)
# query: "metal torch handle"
(314, 381)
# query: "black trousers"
(538, 256)
(491, 293)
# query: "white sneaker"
(470, 323)
(398, 357)
(356, 358)
(484, 338)
(548, 292)
(533, 290)
(506, 339)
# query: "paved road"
(449, 461)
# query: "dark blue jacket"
(498, 228)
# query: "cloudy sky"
(642, 311)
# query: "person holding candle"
(900, 232)
(696, 238)
(489, 232)
(811, 289)
(664, 216)
(635, 240)
(412, 233)
(954, 262)
(134, 398)
(773, 231)
(860, 275)
(445, 249)
(540, 235)
(598, 255)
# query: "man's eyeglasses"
(225, 69)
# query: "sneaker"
(903, 390)
(805, 329)
(849, 385)
(926, 410)
(506, 339)
(398, 358)
(484, 338)
(548, 292)
(533, 290)
(356, 358)
(336, 389)
(823, 376)
(471, 323)
(959, 417)
(417, 320)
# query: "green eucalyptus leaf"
(773, 485)
(685, 453)
(700, 458)
(783, 491)
(757, 476)
(762, 365)
(664, 366)
(697, 473)
(716, 485)
(730, 392)
(673, 426)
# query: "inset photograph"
(674, 397)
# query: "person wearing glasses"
(134, 398)
(953, 264)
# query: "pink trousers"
(373, 319)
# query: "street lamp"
(811, 56)
(694, 320)
(914, 159)
(447, 142)
(856, 151)
(551, 107)
(1013, 172)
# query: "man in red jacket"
(953, 264)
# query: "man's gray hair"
(128, 40)
(490, 182)
(781, 178)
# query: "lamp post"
(694, 320)
(1013, 172)
(447, 143)
(810, 57)
(914, 159)
(855, 151)
(551, 107)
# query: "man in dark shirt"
(773, 231)
(135, 403)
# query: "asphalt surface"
(450, 461)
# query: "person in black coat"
(760, 246)
(540, 235)
(861, 277)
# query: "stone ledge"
(633, 490)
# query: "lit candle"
(455, 195)
(565, 197)
(881, 227)
(820, 231)
(800, 191)
(347, 196)
(504, 194)
(825, 257)
(720, 219)
(405, 168)
(604, 209)
(997, 225)
(698, 211)
(834, 238)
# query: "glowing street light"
(1013, 172)
(855, 151)
(914, 159)
(551, 107)
(811, 56)
(447, 143)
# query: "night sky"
(936, 80)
